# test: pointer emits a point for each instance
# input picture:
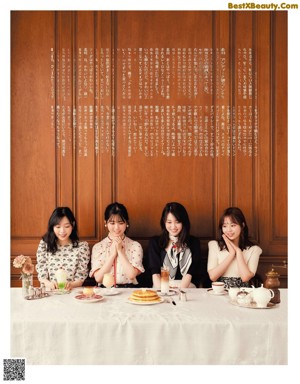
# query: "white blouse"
(216, 256)
(133, 252)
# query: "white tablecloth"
(206, 329)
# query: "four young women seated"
(232, 258)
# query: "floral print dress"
(133, 251)
(74, 260)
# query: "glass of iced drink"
(61, 278)
(164, 280)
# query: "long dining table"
(205, 329)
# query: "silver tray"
(253, 305)
(36, 297)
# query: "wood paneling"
(69, 142)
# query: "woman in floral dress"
(60, 248)
(117, 254)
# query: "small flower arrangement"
(25, 263)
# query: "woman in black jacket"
(175, 249)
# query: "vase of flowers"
(27, 269)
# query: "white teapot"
(243, 297)
(262, 296)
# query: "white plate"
(145, 302)
(107, 292)
(85, 299)
(253, 305)
(59, 291)
(170, 293)
(212, 292)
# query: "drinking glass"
(61, 278)
(108, 281)
(164, 280)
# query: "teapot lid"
(272, 273)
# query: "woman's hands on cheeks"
(232, 248)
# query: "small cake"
(88, 291)
(144, 295)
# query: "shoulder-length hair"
(57, 215)
(237, 216)
(182, 216)
(117, 209)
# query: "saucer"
(170, 293)
(211, 292)
(107, 291)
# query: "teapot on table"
(262, 296)
(244, 296)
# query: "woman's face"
(116, 226)
(231, 230)
(173, 226)
(63, 231)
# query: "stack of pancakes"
(144, 295)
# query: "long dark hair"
(57, 215)
(117, 209)
(182, 216)
(237, 216)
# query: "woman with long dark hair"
(232, 258)
(175, 248)
(60, 248)
(117, 254)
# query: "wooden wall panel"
(33, 162)
(63, 103)
(243, 173)
(279, 129)
(168, 178)
(81, 95)
(222, 172)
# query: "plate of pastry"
(171, 292)
(88, 299)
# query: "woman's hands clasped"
(232, 248)
(116, 246)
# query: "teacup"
(218, 286)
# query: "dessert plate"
(88, 299)
(212, 292)
(253, 305)
(107, 292)
(145, 302)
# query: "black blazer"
(156, 256)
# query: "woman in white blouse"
(233, 258)
(117, 254)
